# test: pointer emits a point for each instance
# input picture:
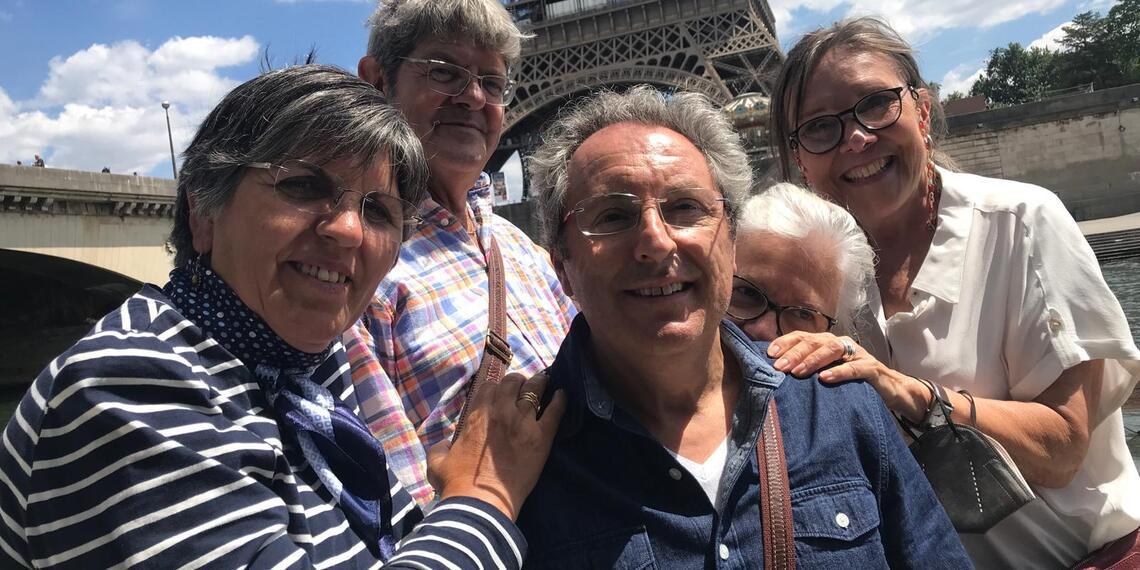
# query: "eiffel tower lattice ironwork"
(721, 48)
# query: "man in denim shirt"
(655, 465)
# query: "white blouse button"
(842, 520)
(723, 552)
(675, 473)
(1055, 321)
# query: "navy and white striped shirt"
(147, 444)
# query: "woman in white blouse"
(983, 285)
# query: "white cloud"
(920, 19)
(100, 106)
(961, 78)
(1052, 39)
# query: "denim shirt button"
(723, 552)
(842, 520)
(675, 473)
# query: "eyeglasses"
(874, 112)
(748, 302)
(309, 188)
(452, 80)
(608, 214)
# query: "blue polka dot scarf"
(336, 443)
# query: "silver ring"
(532, 399)
(848, 351)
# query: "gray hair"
(865, 35)
(398, 26)
(691, 115)
(789, 211)
(316, 112)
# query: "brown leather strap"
(496, 351)
(775, 497)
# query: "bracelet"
(939, 409)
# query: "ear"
(201, 228)
(559, 264)
(924, 105)
(369, 70)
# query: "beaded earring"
(933, 180)
(196, 270)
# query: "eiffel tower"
(722, 48)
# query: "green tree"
(1016, 75)
(954, 96)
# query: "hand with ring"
(499, 455)
(840, 359)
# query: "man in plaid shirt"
(446, 64)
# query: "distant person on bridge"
(39, 161)
(212, 423)
(982, 285)
(446, 64)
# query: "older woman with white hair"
(802, 265)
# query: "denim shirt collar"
(576, 372)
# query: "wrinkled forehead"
(637, 159)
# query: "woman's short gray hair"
(791, 212)
(691, 115)
(398, 26)
(316, 112)
(863, 35)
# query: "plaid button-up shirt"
(421, 339)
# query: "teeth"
(866, 170)
(321, 273)
(660, 291)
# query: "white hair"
(789, 211)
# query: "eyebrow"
(447, 58)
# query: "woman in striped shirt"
(212, 422)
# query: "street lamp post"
(170, 137)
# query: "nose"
(762, 328)
(856, 137)
(654, 239)
(343, 224)
(473, 97)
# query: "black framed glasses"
(873, 112)
(608, 214)
(449, 79)
(311, 189)
(749, 302)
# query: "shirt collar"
(941, 271)
(575, 371)
(478, 203)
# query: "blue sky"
(83, 80)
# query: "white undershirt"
(707, 473)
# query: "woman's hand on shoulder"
(802, 354)
(503, 447)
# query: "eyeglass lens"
(878, 110)
(451, 80)
(613, 213)
(310, 189)
(749, 302)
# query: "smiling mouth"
(320, 273)
(662, 291)
(868, 170)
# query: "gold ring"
(848, 351)
(532, 399)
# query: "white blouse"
(1009, 296)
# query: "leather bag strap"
(775, 496)
(497, 352)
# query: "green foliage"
(1096, 52)
(954, 96)
(1016, 75)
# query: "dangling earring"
(933, 181)
(196, 270)
(803, 171)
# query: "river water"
(1122, 276)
